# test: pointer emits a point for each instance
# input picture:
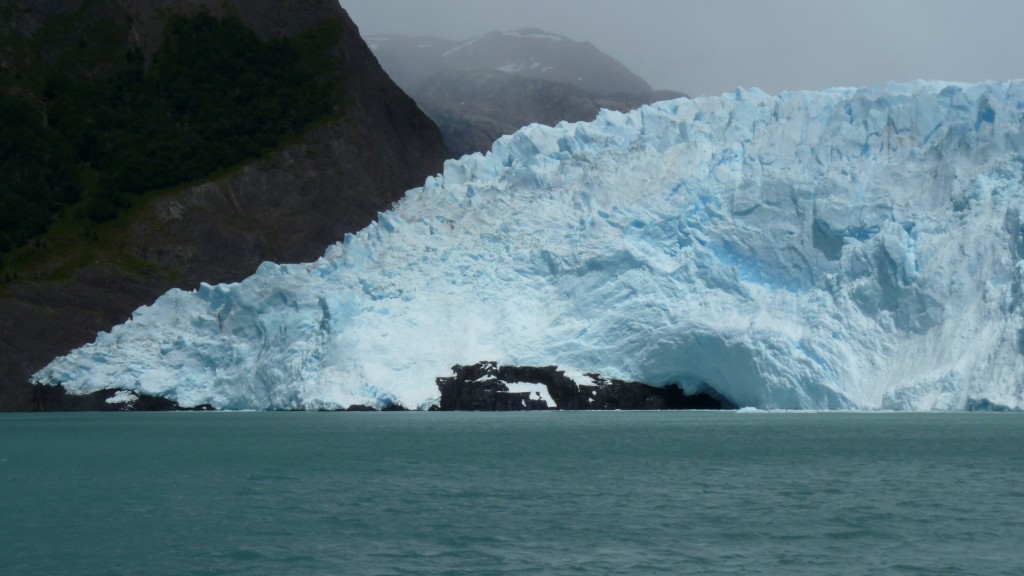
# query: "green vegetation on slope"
(38, 173)
(214, 96)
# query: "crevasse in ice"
(851, 248)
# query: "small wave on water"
(482, 493)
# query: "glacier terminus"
(843, 249)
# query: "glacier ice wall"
(852, 248)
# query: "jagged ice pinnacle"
(838, 249)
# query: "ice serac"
(851, 248)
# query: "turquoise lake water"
(555, 493)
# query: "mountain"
(844, 249)
(530, 53)
(156, 156)
(485, 87)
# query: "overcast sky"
(713, 46)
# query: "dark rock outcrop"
(484, 386)
(285, 207)
(365, 408)
(56, 399)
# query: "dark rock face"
(365, 408)
(286, 207)
(484, 386)
(56, 399)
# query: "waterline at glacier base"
(844, 249)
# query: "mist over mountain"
(530, 52)
(485, 87)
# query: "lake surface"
(572, 493)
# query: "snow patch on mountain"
(459, 47)
(851, 248)
(533, 33)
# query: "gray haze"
(710, 47)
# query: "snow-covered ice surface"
(852, 248)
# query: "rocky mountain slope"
(330, 178)
(482, 88)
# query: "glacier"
(842, 249)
